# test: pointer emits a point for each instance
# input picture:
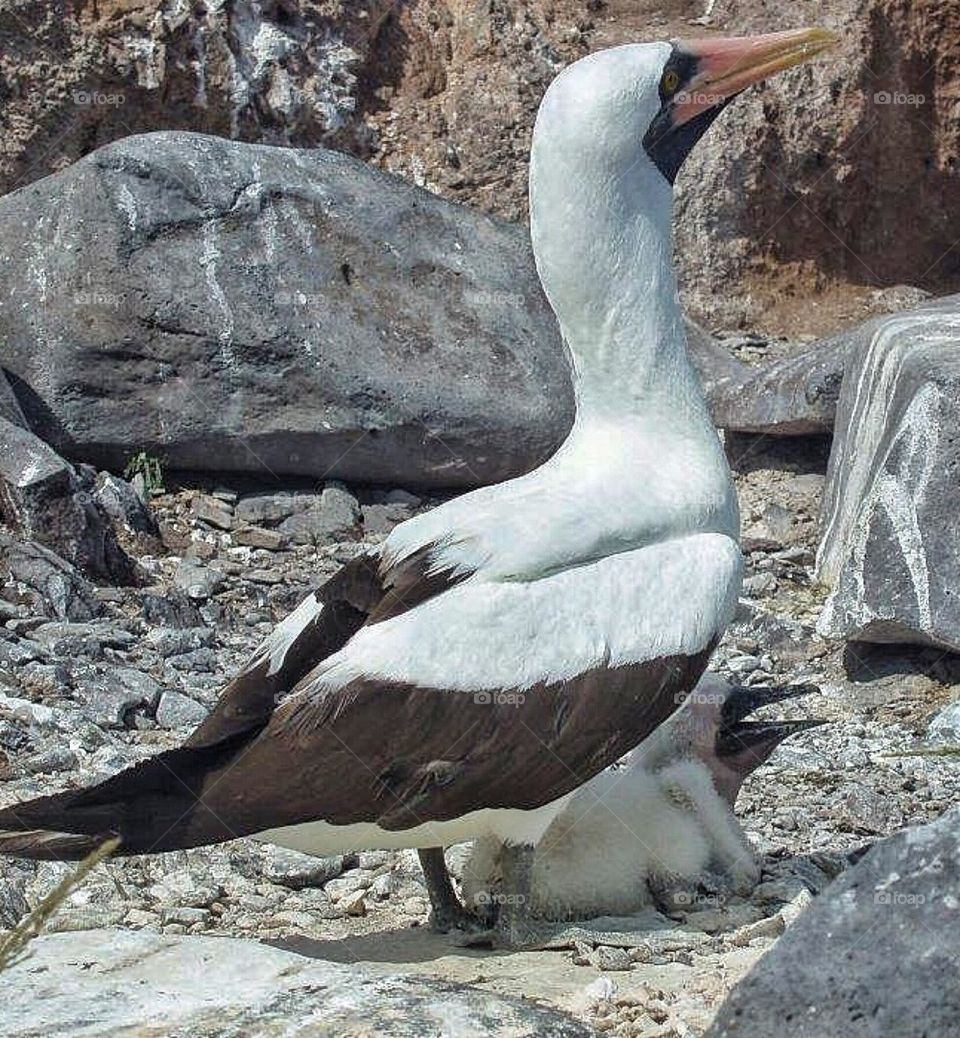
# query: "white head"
(644, 106)
(611, 134)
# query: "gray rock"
(50, 761)
(381, 519)
(109, 699)
(945, 726)
(296, 871)
(101, 983)
(186, 887)
(874, 955)
(263, 576)
(45, 501)
(402, 339)
(10, 409)
(383, 886)
(789, 396)
(15, 654)
(58, 584)
(200, 661)
(184, 916)
(777, 525)
(45, 681)
(169, 607)
(25, 711)
(198, 582)
(270, 509)
(796, 395)
(335, 517)
(354, 903)
(350, 883)
(401, 497)
(213, 511)
(759, 584)
(69, 639)
(176, 710)
(259, 537)
(609, 959)
(124, 505)
(889, 551)
(66, 638)
(13, 894)
(372, 860)
(173, 641)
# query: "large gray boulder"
(874, 956)
(235, 307)
(889, 549)
(113, 982)
(245, 308)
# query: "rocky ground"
(80, 700)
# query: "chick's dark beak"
(743, 744)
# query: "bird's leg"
(448, 912)
(514, 926)
(509, 919)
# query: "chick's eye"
(670, 82)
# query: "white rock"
(110, 982)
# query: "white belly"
(508, 825)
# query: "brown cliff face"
(838, 174)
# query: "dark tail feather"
(43, 845)
(154, 806)
(157, 805)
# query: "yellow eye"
(670, 82)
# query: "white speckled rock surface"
(875, 956)
(113, 982)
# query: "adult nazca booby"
(497, 652)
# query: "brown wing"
(358, 593)
(160, 803)
(401, 756)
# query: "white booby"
(662, 818)
(495, 653)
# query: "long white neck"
(643, 440)
(604, 255)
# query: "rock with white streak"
(401, 339)
(889, 550)
(120, 501)
(234, 307)
(111, 982)
(797, 395)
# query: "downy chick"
(661, 816)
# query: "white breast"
(669, 598)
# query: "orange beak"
(727, 65)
